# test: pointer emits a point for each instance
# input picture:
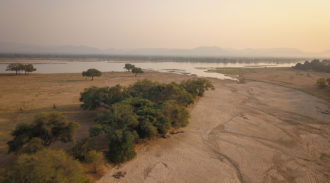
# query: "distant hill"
(15, 48)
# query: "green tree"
(52, 166)
(176, 115)
(137, 70)
(28, 68)
(121, 146)
(15, 67)
(81, 149)
(49, 127)
(33, 146)
(129, 67)
(197, 87)
(321, 83)
(92, 73)
(96, 159)
(95, 97)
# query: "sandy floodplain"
(254, 132)
(245, 133)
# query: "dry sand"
(253, 132)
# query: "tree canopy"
(137, 70)
(46, 166)
(129, 67)
(17, 67)
(92, 73)
(45, 129)
(140, 111)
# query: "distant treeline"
(155, 58)
(17, 67)
(314, 65)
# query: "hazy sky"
(303, 24)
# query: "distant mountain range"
(14, 48)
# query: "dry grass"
(22, 97)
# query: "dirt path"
(246, 133)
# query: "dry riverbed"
(259, 131)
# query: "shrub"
(33, 146)
(321, 83)
(96, 159)
(82, 148)
(49, 127)
(47, 166)
(121, 147)
(197, 87)
(176, 115)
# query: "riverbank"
(251, 132)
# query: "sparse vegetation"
(321, 83)
(92, 73)
(141, 111)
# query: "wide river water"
(190, 68)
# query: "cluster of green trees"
(314, 65)
(140, 111)
(37, 163)
(17, 67)
(133, 69)
(323, 83)
(91, 73)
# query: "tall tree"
(15, 67)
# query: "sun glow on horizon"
(302, 24)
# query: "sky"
(127, 24)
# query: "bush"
(197, 87)
(121, 147)
(33, 146)
(48, 127)
(82, 148)
(176, 115)
(321, 83)
(46, 166)
(96, 159)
